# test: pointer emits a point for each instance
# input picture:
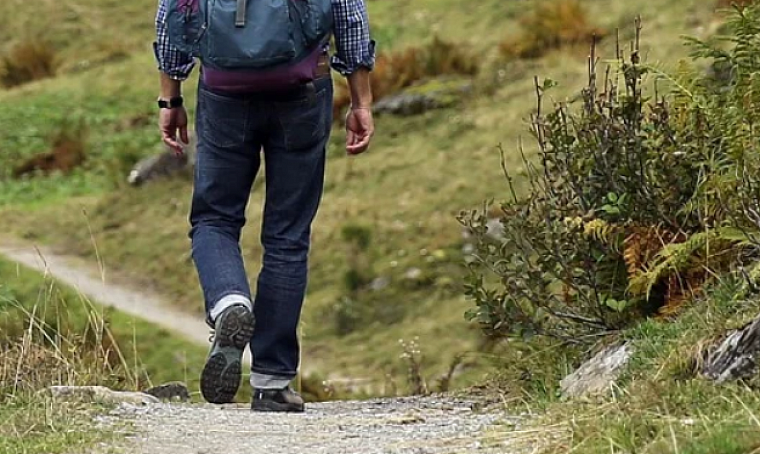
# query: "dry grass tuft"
(68, 151)
(551, 25)
(28, 61)
(396, 71)
(45, 348)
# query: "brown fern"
(680, 290)
(642, 244)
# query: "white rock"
(598, 373)
(99, 394)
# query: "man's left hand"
(169, 122)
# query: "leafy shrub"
(396, 71)
(635, 203)
(28, 61)
(551, 24)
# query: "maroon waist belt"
(314, 66)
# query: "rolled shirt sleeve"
(354, 47)
(171, 61)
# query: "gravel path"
(440, 425)
(430, 425)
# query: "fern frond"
(604, 233)
(675, 257)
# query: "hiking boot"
(220, 378)
(277, 400)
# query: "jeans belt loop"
(323, 66)
(311, 93)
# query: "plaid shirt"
(354, 48)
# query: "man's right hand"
(360, 127)
(169, 122)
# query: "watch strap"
(176, 101)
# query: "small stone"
(413, 273)
(170, 391)
(380, 283)
(495, 229)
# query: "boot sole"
(276, 407)
(220, 378)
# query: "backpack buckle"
(240, 13)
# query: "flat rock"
(163, 164)
(170, 391)
(597, 374)
(736, 357)
(99, 394)
(415, 100)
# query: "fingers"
(359, 144)
(183, 134)
(170, 141)
(350, 138)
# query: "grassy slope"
(152, 352)
(28, 422)
(658, 406)
(420, 173)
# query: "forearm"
(361, 90)
(170, 88)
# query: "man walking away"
(265, 85)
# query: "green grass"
(420, 173)
(32, 425)
(30, 422)
(660, 404)
(154, 355)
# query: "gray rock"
(413, 274)
(597, 374)
(406, 104)
(736, 357)
(99, 394)
(380, 283)
(163, 165)
(495, 229)
(434, 94)
(170, 391)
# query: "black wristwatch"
(171, 103)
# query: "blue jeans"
(292, 129)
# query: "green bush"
(636, 200)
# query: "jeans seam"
(226, 294)
(262, 371)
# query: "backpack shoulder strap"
(240, 14)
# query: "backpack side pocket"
(185, 24)
(316, 18)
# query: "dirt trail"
(96, 285)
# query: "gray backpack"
(253, 41)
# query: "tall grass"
(395, 71)
(42, 347)
(550, 25)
